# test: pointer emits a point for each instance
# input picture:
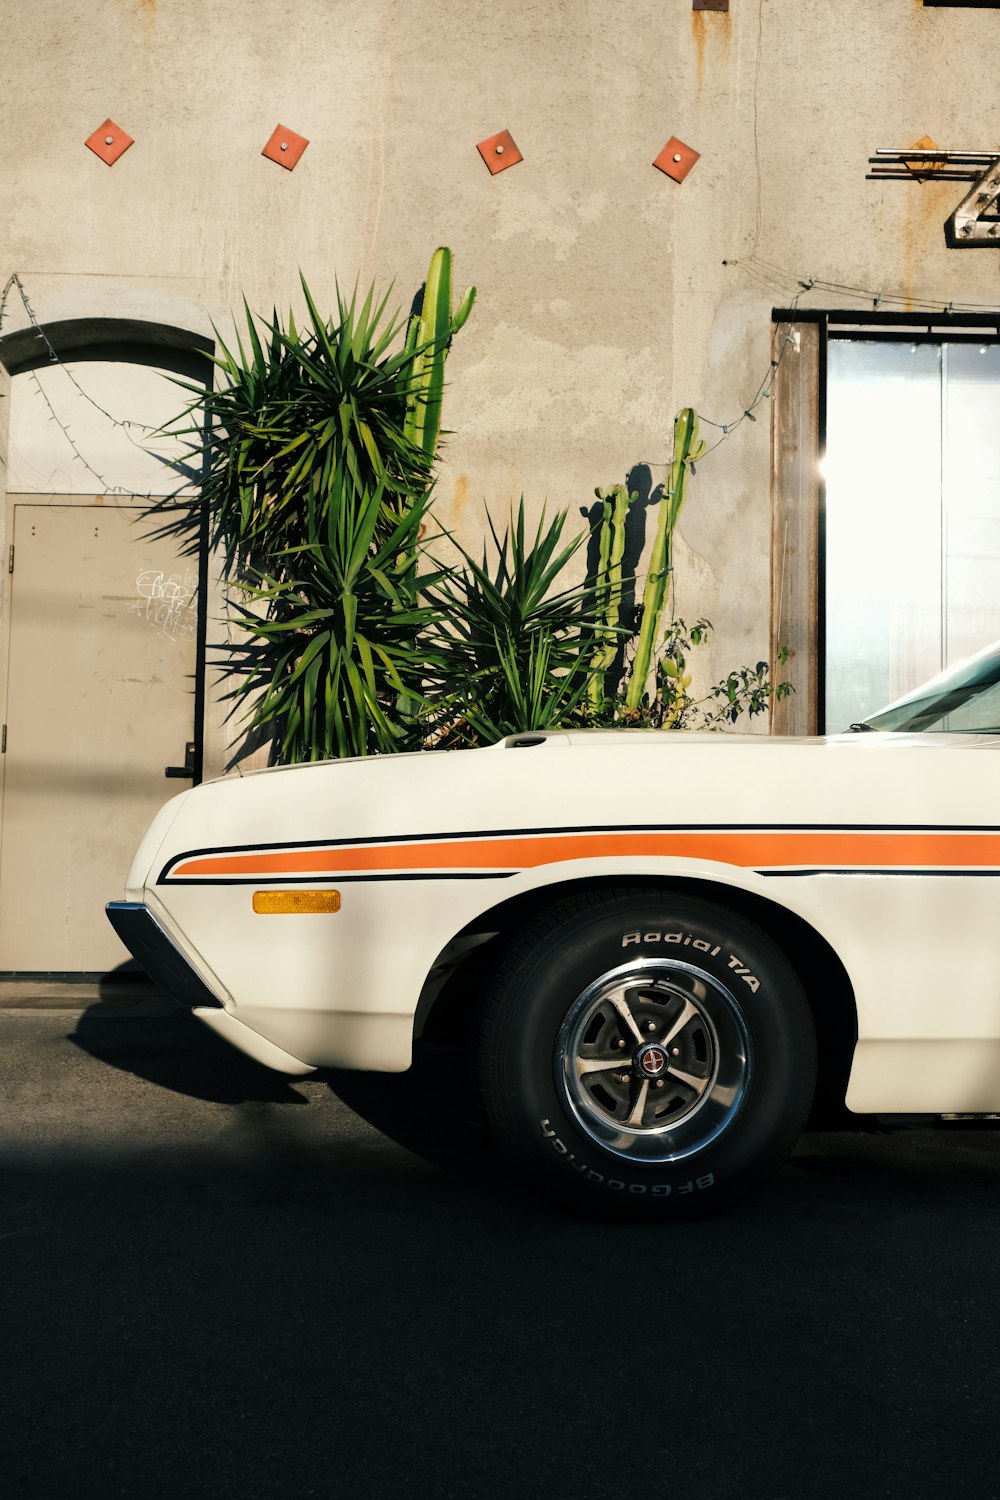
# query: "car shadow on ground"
(431, 1110)
(137, 1028)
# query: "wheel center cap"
(651, 1060)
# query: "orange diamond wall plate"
(499, 152)
(285, 147)
(109, 141)
(676, 159)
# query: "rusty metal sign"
(676, 159)
(285, 147)
(109, 141)
(976, 220)
(499, 152)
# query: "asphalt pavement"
(222, 1282)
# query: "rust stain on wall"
(709, 29)
(460, 495)
(921, 224)
(698, 37)
(922, 227)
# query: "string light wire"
(781, 281)
(765, 273)
(125, 425)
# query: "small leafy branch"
(744, 690)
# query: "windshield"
(963, 700)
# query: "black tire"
(717, 1052)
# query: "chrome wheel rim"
(654, 1059)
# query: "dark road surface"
(219, 1282)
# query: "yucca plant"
(294, 408)
(511, 647)
(315, 496)
(332, 663)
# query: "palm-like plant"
(332, 664)
(315, 495)
(293, 412)
(509, 648)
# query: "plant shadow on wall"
(350, 637)
(641, 497)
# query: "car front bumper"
(166, 966)
(156, 951)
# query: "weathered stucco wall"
(609, 296)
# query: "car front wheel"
(646, 1052)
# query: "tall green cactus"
(687, 450)
(608, 588)
(428, 336)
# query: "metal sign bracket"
(975, 223)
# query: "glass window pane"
(971, 492)
(883, 524)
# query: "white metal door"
(100, 699)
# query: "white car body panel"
(887, 845)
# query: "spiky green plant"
(292, 409)
(332, 662)
(687, 450)
(518, 692)
(315, 494)
(512, 645)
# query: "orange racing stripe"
(763, 849)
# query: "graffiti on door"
(166, 601)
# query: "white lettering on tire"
(739, 967)
(682, 939)
(615, 1184)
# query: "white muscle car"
(670, 943)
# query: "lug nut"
(620, 1044)
(650, 1025)
(675, 1052)
(659, 1083)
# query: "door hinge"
(10, 559)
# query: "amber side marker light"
(290, 903)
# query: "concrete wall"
(609, 296)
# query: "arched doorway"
(103, 642)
